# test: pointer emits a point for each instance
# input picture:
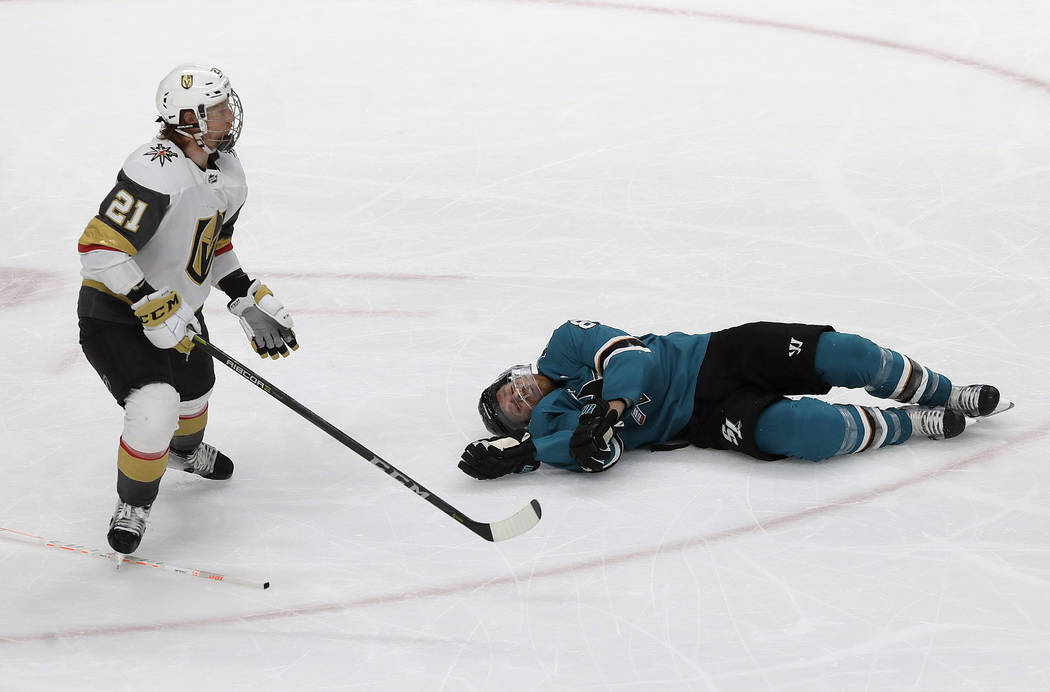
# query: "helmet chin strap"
(202, 127)
(198, 139)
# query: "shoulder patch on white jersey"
(161, 166)
(162, 153)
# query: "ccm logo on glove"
(165, 320)
(158, 308)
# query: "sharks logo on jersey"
(590, 389)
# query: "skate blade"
(1003, 407)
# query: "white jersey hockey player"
(163, 236)
(164, 208)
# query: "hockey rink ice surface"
(434, 187)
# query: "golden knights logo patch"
(161, 153)
(187, 81)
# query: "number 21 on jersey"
(118, 209)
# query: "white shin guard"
(151, 416)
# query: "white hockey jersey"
(172, 218)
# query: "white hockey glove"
(165, 319)
(265, 321)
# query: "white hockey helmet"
(197, 88)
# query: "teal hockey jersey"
(655, 374)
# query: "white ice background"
(434, 186)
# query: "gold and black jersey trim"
(95, 301)
(99, 235)
(131, 212)
(101, 287)
(614, 346)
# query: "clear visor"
(517, 400)
(525, 386)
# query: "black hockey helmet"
(495, 418)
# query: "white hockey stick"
(134, 560)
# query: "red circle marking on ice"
(945, 56)
(643, 553)
(20, 286)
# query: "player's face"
(220, 120)
(517, 403)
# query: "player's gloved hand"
(165, 319)
(498, 456)
(265, 321)
(589, 444)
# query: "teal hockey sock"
(811, 429)
(869, 427)
(902, 379)
(848, 360)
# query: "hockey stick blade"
(514, 525)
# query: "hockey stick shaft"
(508, 528)
(135, 560)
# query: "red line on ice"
(600, 562)
(997, 70)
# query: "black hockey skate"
(205, 461)
(974, 400)
(935, 422)
(127, 526)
